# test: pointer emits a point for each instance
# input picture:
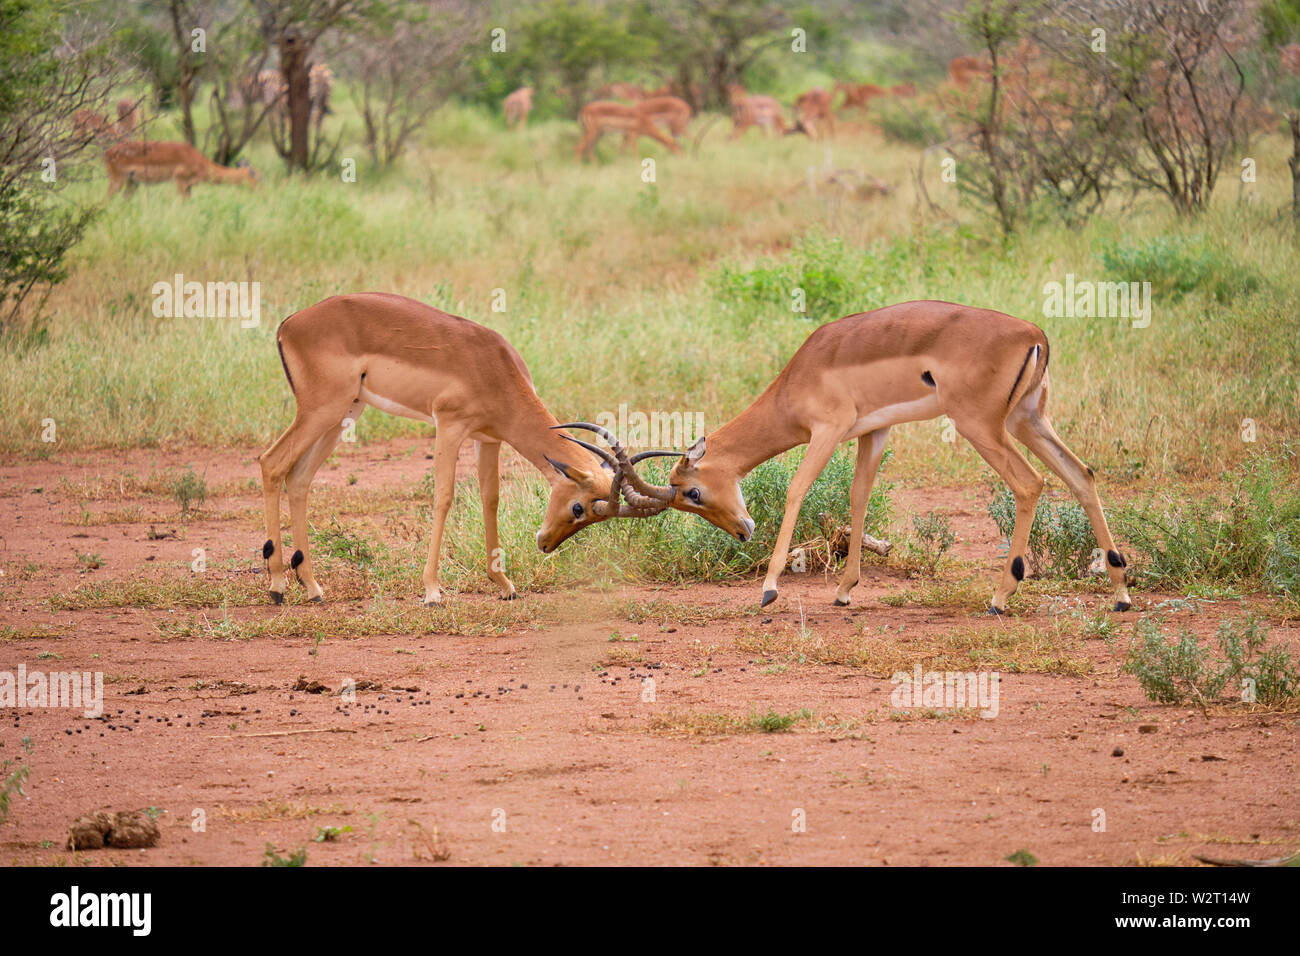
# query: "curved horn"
(631, 480)
(609, 506)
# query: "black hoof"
(277, 597)
(318, 600)
(838, 603)
(768, 598)
(1122, 606)
(512, 596)
(995, 610)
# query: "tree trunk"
(1294, 162)
(294, 54)
(185, 60)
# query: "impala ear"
(576, 475)
(694, 453)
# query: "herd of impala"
(853, 379)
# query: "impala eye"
(694, 495)
(577, 511)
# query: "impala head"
(701, 486)
(585, 489)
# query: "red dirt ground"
(519, 748)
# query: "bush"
(1185, 670)
(1250, 536)
(1176, 265)
(907, 124)
(1061, 540)
(934, 538)
(836, 279)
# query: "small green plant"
(13, 783)
(1022, 858)
(271, 857)
(1182, 670)
(343, 543)
(190, 492)
(327, 834)
(934, 538)
(772, 722)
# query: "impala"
(669, 111)
(812, 111)
(753, 110)
(858, 377)
(406, 358)
(858, 95)
(132, 163)
(517, 106)
(126, 118)
(623, 91)
(605, 116)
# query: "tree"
(40, 94)
(713, 42)
(293, 28)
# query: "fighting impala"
(858, 377)
(349, 352)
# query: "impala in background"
(135, 162)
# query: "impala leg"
(654, 132)
(819, 453)
(297, 487)
(489, 479)
(446, 448)
(278, 462)
(1036, 431)
(870, 449)
(996, 448)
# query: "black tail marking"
(285, 365)
(1021, 374)
(927, 378)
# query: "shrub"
(1173, 673)
(1061, 540)
(934, 538)
(1176, 265)
(1251, 535)
(190, 491)
(906, 124)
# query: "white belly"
(917, 411)
(392, 407)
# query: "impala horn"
(642, 497)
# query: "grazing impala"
(517, 107)
(858, 95)
(605, 116)
(406, 358)
(812, 111)
(662, 110)
(130, 164)
(856, 378)
(754, 110)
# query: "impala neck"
(529, 432)
(762, 431)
